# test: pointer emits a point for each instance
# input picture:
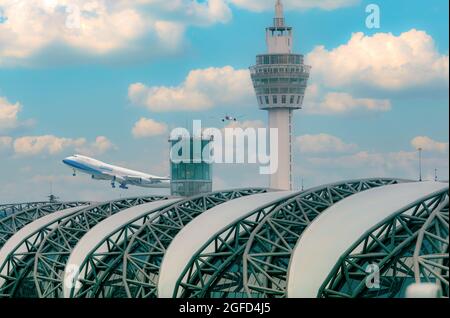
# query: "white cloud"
(261, 5)
(99, 27)
(147, 127)
(340, 103)
(372, 164)
(52, 145)
(169, 33)
(363, 164)
(383, 61)
(323, 143)
(357, 160)
(5, 143)
(255, 124)
(209, 12)
(428, 144)
(35, 145)
(8, 114)
(100, 146)
(202, 89)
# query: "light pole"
(420, 164)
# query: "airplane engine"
(98, 177)
(135, 180)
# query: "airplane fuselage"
(99, 170)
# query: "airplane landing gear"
(124, 187)
(74, 173)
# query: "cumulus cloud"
(99, 27)
(428, 144)
(52, 145)
(100, 146)
(201, 90)
(382, 61)
(255, 124)
(147, 127)
(34, 145)
(340, 103)
(372, 164)
(261, 5)
(169, 33)
(323, 143)
(363, 164)
(8, 114)
(5, 143)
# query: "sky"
(111, 79)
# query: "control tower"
(280, 78)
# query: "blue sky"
(73, 85)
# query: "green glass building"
(191, 167)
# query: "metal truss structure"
(35, 267)
(127, 262)
(14, 222)
(431, 255)
(268, 250)
(139, 247)
(221, 268)
(412, 245)
(8, 209)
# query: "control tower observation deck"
(280, 78)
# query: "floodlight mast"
(280, 78)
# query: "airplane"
(124, 177)
(229, 118)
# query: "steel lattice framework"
(37, 270)
(391, 247)
(14, 222)
(217, 270)
(431, 263)
(130, 266)
(8, 209)
(268, 250)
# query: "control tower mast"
(280, 78)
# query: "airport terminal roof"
(257, 242)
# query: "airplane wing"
(109, 176)
(133, 179)
(140, 180)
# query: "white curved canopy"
(95, 236)
(15, 242)
(336, 229)
(194, 235)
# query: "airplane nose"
(66, 161)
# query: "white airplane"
(124, 177)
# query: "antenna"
(279, 15)
(420, 164)
(52, 198)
